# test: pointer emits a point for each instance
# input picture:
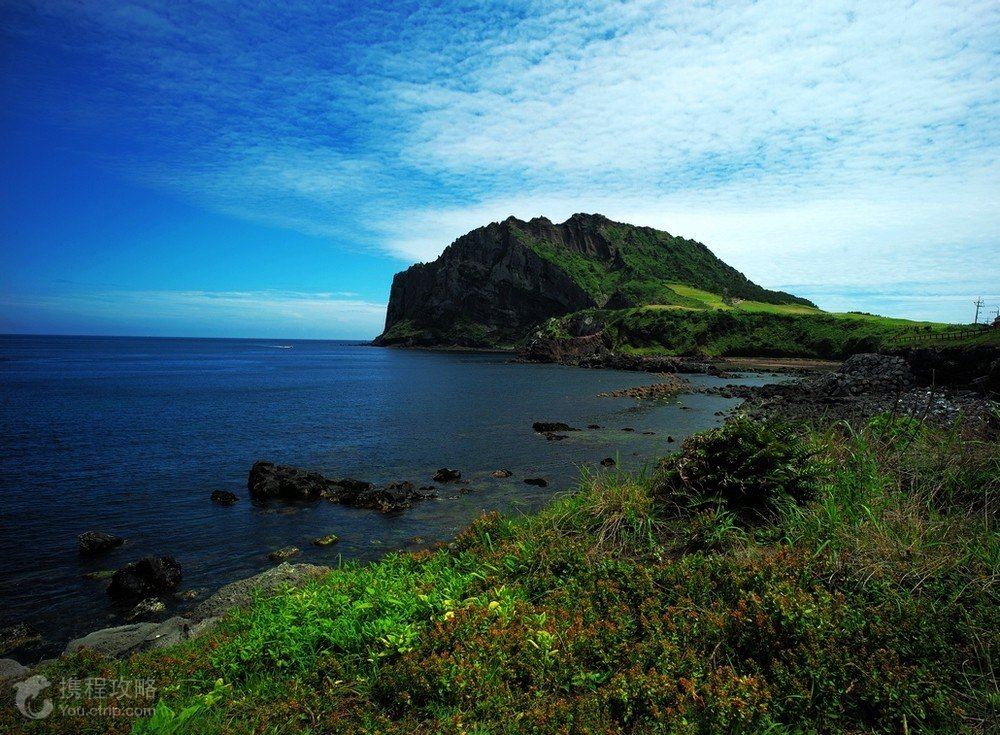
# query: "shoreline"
(179, 604)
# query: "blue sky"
(220, 169)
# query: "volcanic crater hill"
(494, 284)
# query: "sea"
(131, 436)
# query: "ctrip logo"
(27, 692)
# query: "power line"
(979, 304)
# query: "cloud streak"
(847, 143)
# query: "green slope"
(698, 322)
(646, 263)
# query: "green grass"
(648, 261)
(871, 606)
(756, 329)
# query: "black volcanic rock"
(147, 577)
(546, 427)
(270, 481)
(96, 542)
(223, 497)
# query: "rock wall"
(488, 278)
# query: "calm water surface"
(131, 436)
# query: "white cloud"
(844, 142)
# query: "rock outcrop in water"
(492, 285)
(97, 542)
(151, 575)
(270, 481)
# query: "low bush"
(745, 467)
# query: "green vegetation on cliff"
(657, 293)
(644, 263)
(760, 581)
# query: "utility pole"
(979, 305)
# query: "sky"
(240, 169)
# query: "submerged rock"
(96, 542)
(537, 481)
(548, 427)
(150, 575)
(223, 497)
(19, 635)
(446, 475)
(100, 574)
(608, 462)
(328, 540)
(501, 474)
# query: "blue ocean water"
(131, 435)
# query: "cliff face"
(485, 287)
(492, 285)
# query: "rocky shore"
(937, 387)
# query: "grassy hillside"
(845, 584)
(647, 262)
(700, 322)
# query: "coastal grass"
(768, 330)
(861, 597)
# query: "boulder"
(223, 497)
(146, 609)
(328, 540)
(96, 542)
(241, 592)
(501, 474)
(11, 669)
(115, 641)
(608, 462)
(446, 475)
(124, 640)
(394, 497)
(268, 481)
(286, 552)
(149, 576)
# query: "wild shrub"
(746, 467)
